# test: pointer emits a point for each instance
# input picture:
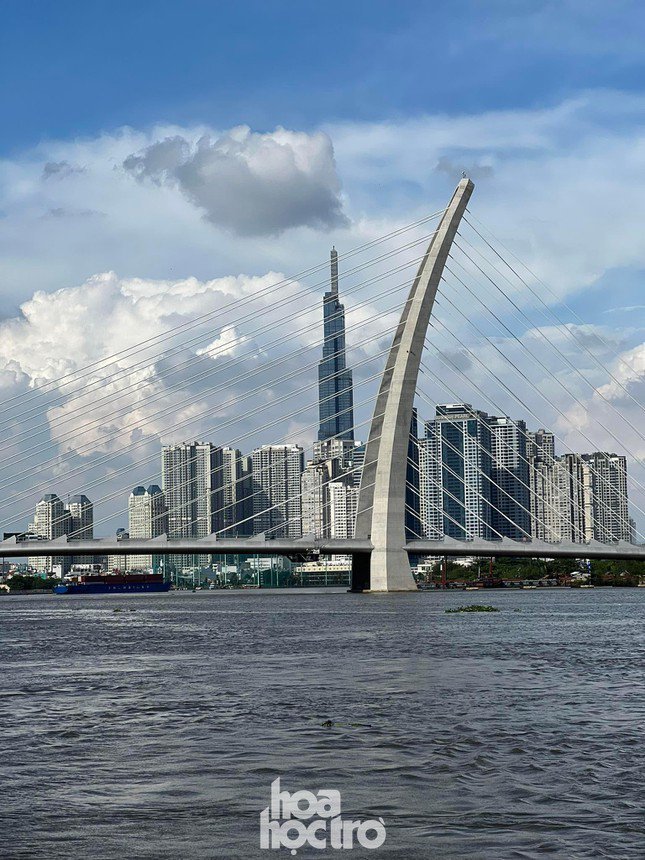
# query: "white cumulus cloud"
(120, 366)
(252, 184)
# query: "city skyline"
(512, 492)
(313, 500)
(469, 475)
(290, 499)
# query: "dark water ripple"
(156, 733)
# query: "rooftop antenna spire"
(334, 270)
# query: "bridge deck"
(212, 545)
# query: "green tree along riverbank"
(27, 582)
(564, 570)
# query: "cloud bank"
(251, 184)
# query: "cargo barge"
(113, 583)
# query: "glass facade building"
(456, 487)
(510, 478)
(335, 394)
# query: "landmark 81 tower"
(336, 399)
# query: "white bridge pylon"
(381, 501)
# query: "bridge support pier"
(360, 571)
(382, 495)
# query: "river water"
(151, 726)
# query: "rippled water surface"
(155, 731)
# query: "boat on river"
(112, 583)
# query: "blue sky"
(159, 157)
(70, 68)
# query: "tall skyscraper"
(561, 499)
(148, 518)
(81, 525)
(510, 479)
(489, 477)
(609, 507)
(192, 483)
(430, 501)
(316, 513)
(52, 520)
(456, 488)
(236, 493)
(540, 444)
(81, 513)
(323, 515)
(547, 481)
(276, 480)
(192, 480)
(343, 504)
(573, 481)
(548, 499)
(335, 393)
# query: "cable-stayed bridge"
(471, 505)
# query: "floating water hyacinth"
(475, 607)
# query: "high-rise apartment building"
(342, 450)
(148, 518)
(343, 504)
(573, 481)
(336, 463)
(549, 491)
(455, 486)
(237, 513)
(357, 463)
(81, 514)
(192, 478)
(315, 498)
(430, 497)
(336, 398)
(510, 479)
(322, 515)
(192, 482)
(609, 506)
(540, 445)
(547, 501)
(118, 562)
(276, 482)
(489, 477)
(578, 497)
(51, 520)
(81, 525)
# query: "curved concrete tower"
(381, 501)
